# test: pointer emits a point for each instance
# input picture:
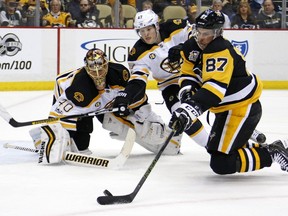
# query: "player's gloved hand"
(121, 102)
(182, 118)
(185, 94)
(174, 53)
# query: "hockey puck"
(261, 138)
(107, 193)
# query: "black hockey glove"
(174, 53)
(121, 102)
(185, 94)
(182, 118)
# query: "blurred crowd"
(239, 14)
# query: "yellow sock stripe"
(257, 159)
(242, 159)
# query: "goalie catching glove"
(183, 117)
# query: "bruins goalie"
(88, 89)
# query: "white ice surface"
(183, 185)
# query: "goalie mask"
(96, 64)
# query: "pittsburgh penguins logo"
(193, 55)
(10, 45)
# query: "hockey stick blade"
(89, 160)
(109, 199)
(7, 117)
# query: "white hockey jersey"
(145, 59)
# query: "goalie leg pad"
(55, 140)
(151, 131)
(155, 136)
(35, 134)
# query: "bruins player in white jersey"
(222, 84)
(89, 89)
(149, 55)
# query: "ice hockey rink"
(178, 185)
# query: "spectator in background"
(268, 17)
(218, 5)
(244, 18)
(147, 4)
(256, 5)
(230, 7)
(29, 11)
(11, 16)
(158, 6)
(73, 7)
(89, 15)
(130, 2)
(191, 13)
(56, 17)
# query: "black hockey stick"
(109, 199)
(7, 117)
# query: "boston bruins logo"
(78, 96)
(171, 67)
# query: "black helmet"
(210, 19)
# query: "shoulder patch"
(78, 96)
(177, 21)
(132, 51)
(193, 55)
(126, 75)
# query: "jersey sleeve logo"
(78, 96)
(125, 75)
(132, 51)
(193, 55)
(177, 21)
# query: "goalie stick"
(7, 117)
(81, 159)
(109, 199)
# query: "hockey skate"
(279, 153)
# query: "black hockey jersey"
(220, 77)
